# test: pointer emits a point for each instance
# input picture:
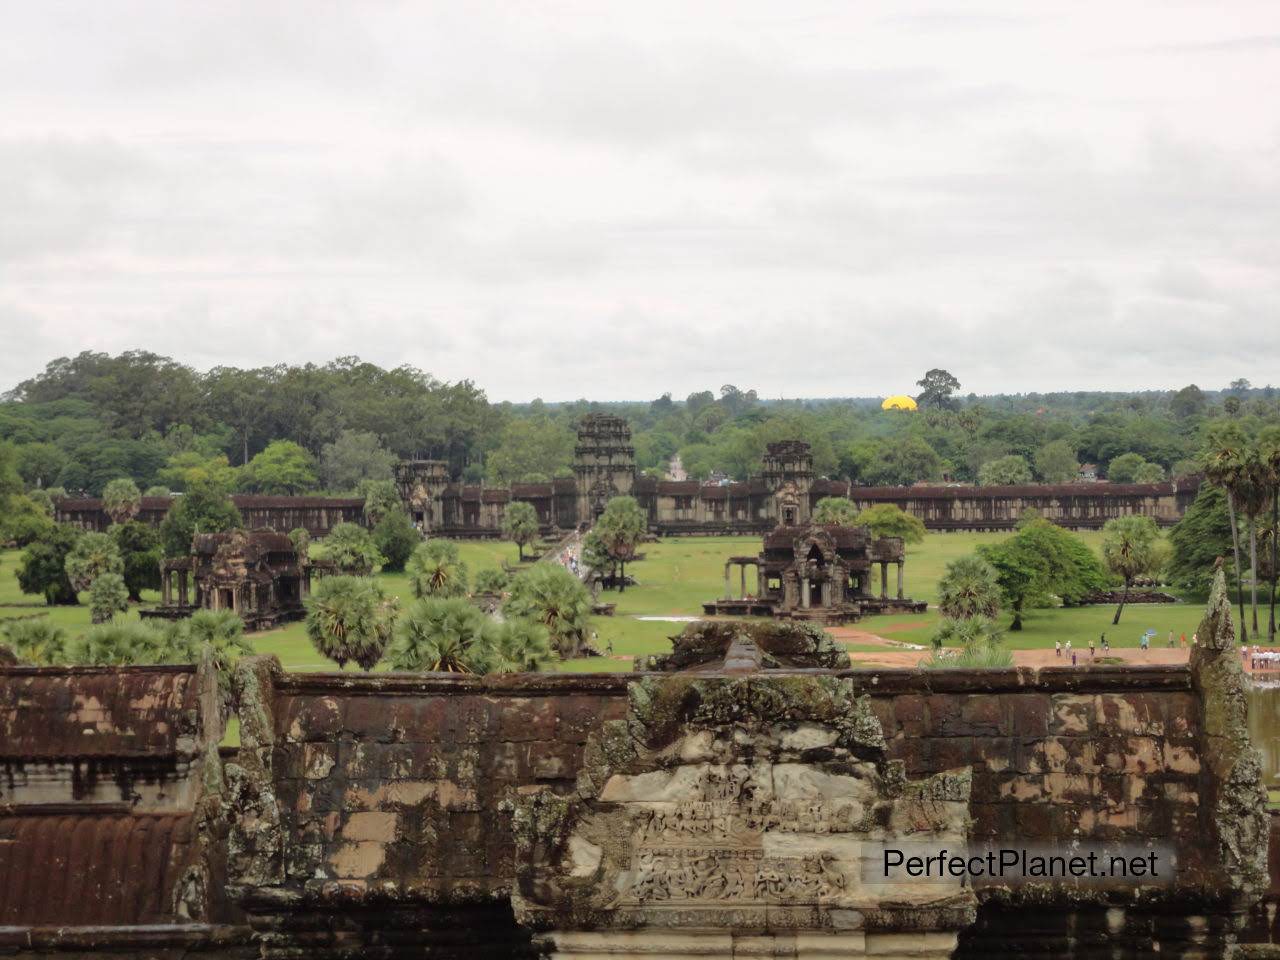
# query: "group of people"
(1260, 658)
(1144, 644)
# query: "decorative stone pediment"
(726, 808)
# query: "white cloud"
(613, 200)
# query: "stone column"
(826, 593)
(166, 592)
(884, 580)
(760, 583)
(742, 580)
(900, 580)
(804, 592)
(728, 591)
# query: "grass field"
(677, 575)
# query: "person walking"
(1057, 649)
(1073, 657)
(1106, 647)
(1182, 640)
(1091, 649)
(1069, 651)
(1170, 639)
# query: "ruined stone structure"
(820, 573)
(257, 574)
(785, 491)
(724, 800)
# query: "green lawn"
(677, 575)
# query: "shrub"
(43, 568)
(491, 580)
(395, 536)
(107, 597)
(37, 640)
(351, 549)
(436, 570)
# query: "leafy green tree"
(39, 640)
(1198, 540)
(24, 519)
(436, 570)
(622, 528)
(890, 520)
(351, 549)
(520, 525)
(549, 594)
(910, 460)
(283, 467)
(191, 469)
(107, 597)
(440, 634)
(1009, 470)
(43, 568)
(835, 511)
(40, 463)
(1129, 550)
(157, 490)
(380, 498)
(350, 618)
(204, 508)
(528, 448)
(353, 457)
(936, 388)
(121, 498)
(1040, 560)
(1021, 572)
(1190, 401)
(139, 546)
(300, 537)
(1268, 452)
(1056, 462)
(93, 555)
(491, 580)
(1124, 468)
(969, 588)
(1148, 473)
(42, 499)
(395, 537)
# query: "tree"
(549, 594)
(1129, 550)
(1198, 540)
(1188, 402)
(121, 498)
(24, 519)
(139, 546)
(622, 528)
(283, 467)
(890, 520)
(1009, 470)
(1255, 498)
(533, 447)
(1148, 472)
(969, 588)
(222, 633)
(395, 537)
(1021, 572)
(979, 639)
(39, 641)
(93, 555)
(436, 570)
(355, 457)
(107, 597)
(1268, 451)
(350, 618)
(1124, 468)
(1040, 560)
(835, 511)
(936, 388)
(518, 646)
(40, 463)
(903, 463)
(380, 498)
(520, 525)
(1224, 466)
(43, 568)
(440, 634)
(190, 469)
(157, 490)
(351, 549)
(491, 580)
(1056, 462)
(204, 508)
(118, 645)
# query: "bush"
(107, 597)
(43, 568)
(491, 581)
(300, 537)
(139, 546)
(37, 640)
(395, 536)
(452, 636)
(206, 507)
(888, 520)
(119, 644)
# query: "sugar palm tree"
(350, 618)
(1130, 550)
(440, 634)
(1223, 461)
(1269, 456)
(550, 595)
(969, 588)
(38, 641)
(519, 646)
(1255, 497)
(222, 631)
(436, 570)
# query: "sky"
(616, 200)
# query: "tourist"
(1170, 639)
(1182, 640)
(1106, 647)
(1057, 648)
(1091, 649)
(1069, 651)
(1195, 639)
(1073, 656)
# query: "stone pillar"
(760, 583)
(728, 591)
(182, 588)
(884, 581)
(826, 593)
(804, 592)
(900, 580)
(742, 580)
(166, 592)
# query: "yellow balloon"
(900, 402)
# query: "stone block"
(376, 825)
(521, 719)
(1027, 714)
(980, 716)
(368, 719)
(944, 714)
(311, 719)
(1073, 714)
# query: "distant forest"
(87, 420)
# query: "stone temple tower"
(788, 477)
(604, 463)
(422, 484)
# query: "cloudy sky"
(613, 200)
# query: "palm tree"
(519, 646)
(969, 588)
(550, 595)
(350, 618)
(1269, 455)
(38, 641)
(442, 635)
(1223, 461)
(222, 631)
(121, 499)
(117, 644)
(1129, 549)
(436, 570)
(979, 638)
(1255, 494)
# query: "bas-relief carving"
(754, 824)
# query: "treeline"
(88, 420)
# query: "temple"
(785, 490)
(819, 573)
